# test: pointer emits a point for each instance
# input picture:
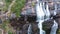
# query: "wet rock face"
(31, 18)
(47, 24)
(58, 20)
(35, 29)
(23, 25)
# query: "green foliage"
(33, 4)
(9, 32)
(16, 8)
(5, 25)
(58, 31)
(7, 2)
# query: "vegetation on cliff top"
(17, 6)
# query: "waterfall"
(55, 10)
(54, 28)
(39, 12)
(46, 11)
(40, 17)
(30, 29)
(55, 25)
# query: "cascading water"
(40, 16)
(55, 25)
(46, 11)
(54, 28)
(41, 12)
(30, 29)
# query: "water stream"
(46, 11)
(55, 25)
(40, 16)
(30, 29)
(54, 28)
(43, 14)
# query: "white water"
(55, 25)
(30, 29)
(46, 11)
(40, 17)
(41, 12)
(54, 28)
